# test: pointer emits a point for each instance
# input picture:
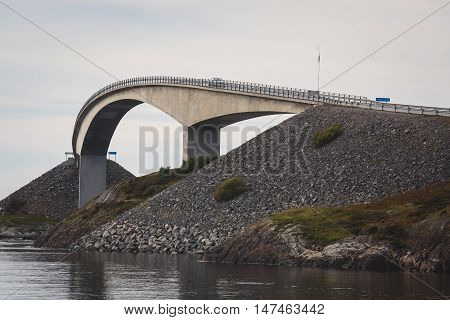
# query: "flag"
(318, 59)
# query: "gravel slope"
(378, 154)
(55, 193)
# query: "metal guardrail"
(318, 97)
(395, 107)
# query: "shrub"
(324, 136)
(164, 170)
(15, 204)
(229, 189)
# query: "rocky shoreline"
(263, 243)
(23, 232)
(156, 238)
(259, 243)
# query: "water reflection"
(29, 273)
(86, 276)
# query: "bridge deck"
(318, 97)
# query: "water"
(30, 273)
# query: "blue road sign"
(383, 99)
(112, 153)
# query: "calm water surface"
(30, 273)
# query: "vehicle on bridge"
(218, 82)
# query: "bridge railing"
(261, 89)
(254, 88)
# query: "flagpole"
(318, 73)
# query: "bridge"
(202, 107)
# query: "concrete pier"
(203, 140)
(92, 177)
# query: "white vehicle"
(218, 82)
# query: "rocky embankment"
(377, 154)
(154, 238)
(105, 208)
(264, 243)
(407, 231)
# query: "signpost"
(69, 155)
(112, 153)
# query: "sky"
(43, 84)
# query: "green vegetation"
(393, 219)
(128, 194)
(164, 170)
(229, 189)
(23, 219)
(16, 216)
(324, 136)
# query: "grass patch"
(23, 219)
(147, 186)
(324, 136)
(229, 189)
(316, 229)
(391, 219)
(15, 215)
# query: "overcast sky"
(43, 84)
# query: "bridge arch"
(201, 110)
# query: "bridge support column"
(92, 177)
(201, 140)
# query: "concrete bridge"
(202, 106)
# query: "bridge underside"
(203, 138)
(200, 139)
